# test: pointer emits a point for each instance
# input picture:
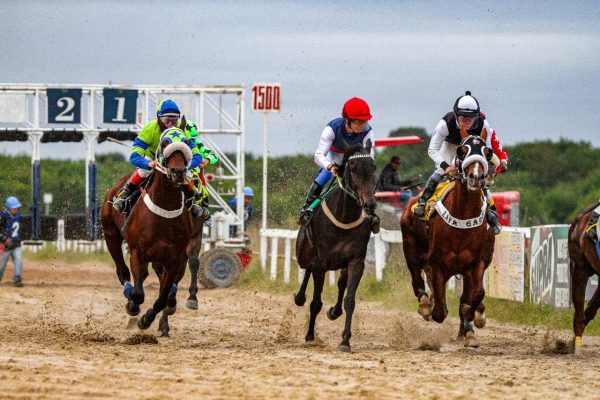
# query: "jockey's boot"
(591, 231)
(313, 194)
(430, 187)
(374, 222)
(120, 200)
(191, 197)
(492, 218)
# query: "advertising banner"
(549, 279)
(505, 277)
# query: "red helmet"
(356, 108)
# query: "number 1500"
(265, 97)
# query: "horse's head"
(174, 153)
(358, 168)
(472, 157)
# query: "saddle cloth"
(442, 190)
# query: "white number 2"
(15, 229)
(68, 103)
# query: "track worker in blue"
(445, 139)
(143, 156)
(10, 241)
(352, 129)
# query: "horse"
(158, 229)
(336, 237)
(454, 241)
(583, 263)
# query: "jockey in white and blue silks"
(349, 130)
(445, 140)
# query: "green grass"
(395, 292)
(69, 257)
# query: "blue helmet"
(12, 202)
(167, 106)
(248, 192)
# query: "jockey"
(445, 139)
(352, 129)
(143, 156)
(594, 234)
(209, 157)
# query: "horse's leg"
(316, 304)
(464, 299)
(479, 319)
(475, 297)
(416, 263)
(194, 264)
(580, 273)
(114, 240)
(336, 311)
(355, 271)
(139, 269)
(166, 297)
(439, 279)
(300, 297)
(163, 323)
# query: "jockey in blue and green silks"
(208, 158)
(143, 156)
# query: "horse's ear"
(346, 145)
(463, 133)
(183, 123)
(488, 153)
(163, 145)
(369, 145)
(484, 134)
(461, 151)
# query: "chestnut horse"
(158, 229)
(584, 262)
(455, 240)
(336, 238)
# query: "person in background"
(388, 181)
(10, 241)
(248, 196)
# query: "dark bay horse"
(158, 229)
(336, 238)
(455, 240)
(584, 263)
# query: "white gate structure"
(44, 113)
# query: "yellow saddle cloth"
(442, 190)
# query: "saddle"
(442, 190)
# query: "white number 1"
(120, 110)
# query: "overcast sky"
(535, 68)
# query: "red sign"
(397, 140)
(266, 97)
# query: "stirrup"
(419, 210)
(305, 216)
(119, 204)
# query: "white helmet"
(466, 106)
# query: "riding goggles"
(357, 121)
(169, 118)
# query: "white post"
(60, 235)
(379, 257)
(287, 260)
(274, 241)
(263, 241)
(331, 278)
(263, 250)
(300, 274)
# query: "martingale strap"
(461, 223)
(339, 224)
(161, 211)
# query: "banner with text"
(549, 279)
(505, 277)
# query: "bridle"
(346, 181)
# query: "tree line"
(555, 179)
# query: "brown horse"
(158, 229)
(336, 237)
(584, 263)
(456, 240)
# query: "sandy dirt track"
(65, 335)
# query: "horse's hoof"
(344, 348)
(427, 318)
(299, 299)
(142, 324)
(479, 320)
(192, 304)
(425, 308)
(132, 308)
(169, 310)
(332, 315)
(309, 338)
(164, 334)
(471, 340)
